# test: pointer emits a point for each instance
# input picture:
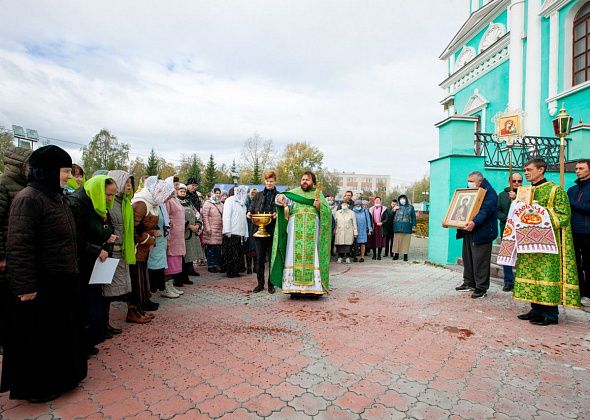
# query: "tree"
(417, 191)
(166, 169)
(6, 142)
(257, 152)
(328, 182)
(296, 159)
(137, 168)
(210, 175)
(104, 152)
(153, 164)
(256, 175)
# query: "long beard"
(306, 187)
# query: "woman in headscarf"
(44, 355)
(345, 232)
(146, 210)
(235, 230)
(96, 236)
(378, 217)
(404, 223)
(124, 245)
(192, 229)
(212, 230)
(76, 181)
(364, 227)
(176, 246)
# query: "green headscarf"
(128, 242)
(73, 184)
(95, 189)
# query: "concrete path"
(392, 340)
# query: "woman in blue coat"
(364, 227)
(404, 223)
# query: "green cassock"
(550, 279)
(304, 219)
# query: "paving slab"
(392, 340)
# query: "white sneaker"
(175, 290)
(169, 293)
(585, 301)
(348, 261)
(339, 260)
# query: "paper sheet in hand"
(104, 272)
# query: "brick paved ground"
(392, 340)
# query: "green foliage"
(416, 191)
(137, 168)
(328, 182)
(104, 152)
(153, 164)
(6, 142)
(166, 169)
(256, 174)
(296, 159)
(210, 175)
(190, 167)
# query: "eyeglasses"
(517, 181)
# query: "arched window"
(581, 46)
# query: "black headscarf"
(44, 167)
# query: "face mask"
(471, 185)
(402, 202)
(344, 206)
(357, 207)
(331, 203)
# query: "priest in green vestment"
(548, 280)
(300, 261)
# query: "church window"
(581, 46)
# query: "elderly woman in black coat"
(44, 354)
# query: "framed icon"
(464, 206)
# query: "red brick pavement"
(392, 340)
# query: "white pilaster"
(516, 25)
(532, 98)
(474, 5)
(553, 59)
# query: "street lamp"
(562, 125)
(235, 176)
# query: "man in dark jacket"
(579, 197)
(264, 202)
(12, 180)
(192, 193)
(505, 199)
(478, 235)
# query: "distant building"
(359, 183)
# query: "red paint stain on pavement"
(462, 333)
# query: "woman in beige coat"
(345, 232)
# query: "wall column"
(533, 70)
(516, 26)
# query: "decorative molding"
(580, 126)
(552, 102)
(476, 103)
(551, 6)
(456, 118)
(467, 54)
(473, 25)
(494, 32)
(483, 63)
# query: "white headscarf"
(162, 191)
(241, 194)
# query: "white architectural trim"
(568, 47)
(473, 25)
(552, 6)
(467, 54)
(553, 60)
(480, 65)
(532, 98)
(477, 103)
(494, 32)
(456, 118)
(568, 92)
(516, 26)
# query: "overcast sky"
(358, 79)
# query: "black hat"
(50, 157)
(192, 180)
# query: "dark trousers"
(213, 256)
(4, 311)
(388, 245)
(233, 254)
(476, 263)
(263, 251)
(508, 275)
(549, 312)
(582, 248)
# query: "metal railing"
(497, 154)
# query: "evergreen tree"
(209, 175)
(194, 170)
(153, 164)
(256, 175)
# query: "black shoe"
(192, 272)
(178, 283)
(114, 330)
(44, 399)
(213, 270)
(508, 288)
(362, 260)
(464, 288)
(396, 257)
(108, 335)
(92, 351)
(151, 306)
(249, 271)
(355, 259)
(258, 289)
(187, 281)
(379, 257)
(530, 315)
(477, 294)
(544, 321)
(271, 289)
(374, 257)
(405, 257)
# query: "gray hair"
(476, 174)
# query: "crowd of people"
(545, 248)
